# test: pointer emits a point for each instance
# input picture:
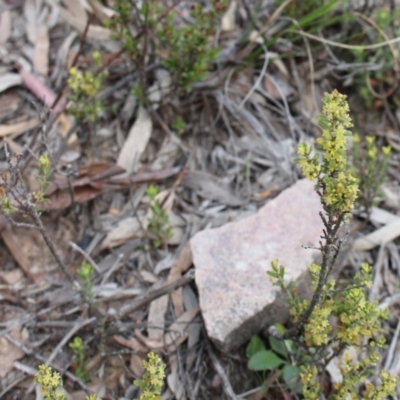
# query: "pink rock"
(237, 298)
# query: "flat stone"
(237, 298)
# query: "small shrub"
(186, 51)
(370, 166)
(85, 87)
(79, 359)
(179, 125)
(158, 227)
(335, 319)
(85, 272)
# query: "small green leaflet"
(263, 360)
(255, 345)
(278, 346)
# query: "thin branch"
(230, 393)
(155, 294)
(51, 247)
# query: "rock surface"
(237, 298)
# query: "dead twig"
(155, 294)
(230, 393)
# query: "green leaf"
(290, 346)
(255, 345)
(263, 360)
(317, 13)
(280, 328)
(278, 346)
(290, 375)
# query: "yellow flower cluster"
(85, 86)
(153, 379)
(359, 319)
(311, 386)
(51, 383)
(353, 373)
(310, 166)
(86, 83)
(335, 181)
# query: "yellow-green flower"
(335, 182)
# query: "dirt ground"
(216, 152)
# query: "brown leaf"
(5, 26)
(103, 13)
(125, 230)
(174, 381)
(211, 187)
(75, 15)
(277, 86)
(146, 177)
(15, 148)
(131, 343)
(60, 200)
(41, 52)
(178, 331)
(30, 251)
(100, 171)
(91, 181)
(18, 128)
(149, 343)
(136, 365)
(77, 9)
(9, 352)
(182, 264)
(136, 142)
(228, 22)
(156, 317)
